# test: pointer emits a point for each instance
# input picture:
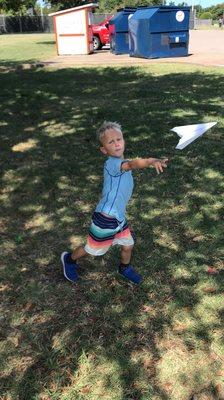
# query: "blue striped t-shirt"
(117, 189)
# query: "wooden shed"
(73, 31)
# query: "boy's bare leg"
(78, 253)
(125, 268)
(126, 252)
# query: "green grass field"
(103, 338)
(26, 48)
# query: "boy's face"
(113, 143)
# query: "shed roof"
(69, 10)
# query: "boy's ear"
(103, 150)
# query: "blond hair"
(105, 126)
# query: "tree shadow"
(51, 173)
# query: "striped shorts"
(105, 232)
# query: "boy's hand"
(159, 164)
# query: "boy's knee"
(127, 249)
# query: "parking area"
(205, 48)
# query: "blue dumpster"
(156, 32)
(118, 28)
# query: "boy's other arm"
(140, 163)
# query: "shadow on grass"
(47, 42)
(102, 337)
(8, 67)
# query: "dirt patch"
(205, 48)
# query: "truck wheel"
(96, 43)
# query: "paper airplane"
(188, 133)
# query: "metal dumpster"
(118, 29)
(156, 32)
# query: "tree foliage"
(206, 15)
(215, 12)
(16, 6)
(113, 5)
(63, 4)
(108, 6)
(105, 6)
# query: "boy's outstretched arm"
(140, 163)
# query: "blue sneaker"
(130, 274)
(69, 268)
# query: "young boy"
(109, 225)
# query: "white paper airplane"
(188, 133)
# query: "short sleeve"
(113, 166)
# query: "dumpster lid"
(145, 12)
(165, 7)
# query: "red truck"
(101, 34)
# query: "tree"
(16, 6)
(64, 4)
(106, 6)
(110, 6)
(214, 11)
(198, 8)
(205, 15)
(217, 11)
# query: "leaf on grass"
(212, 270)
(147, 309)
(85, 390)
(220, 390)
(198, 238)
(209, 289)
(180, 327)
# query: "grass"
(208, 27)
(103, 338)
(27, 48)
